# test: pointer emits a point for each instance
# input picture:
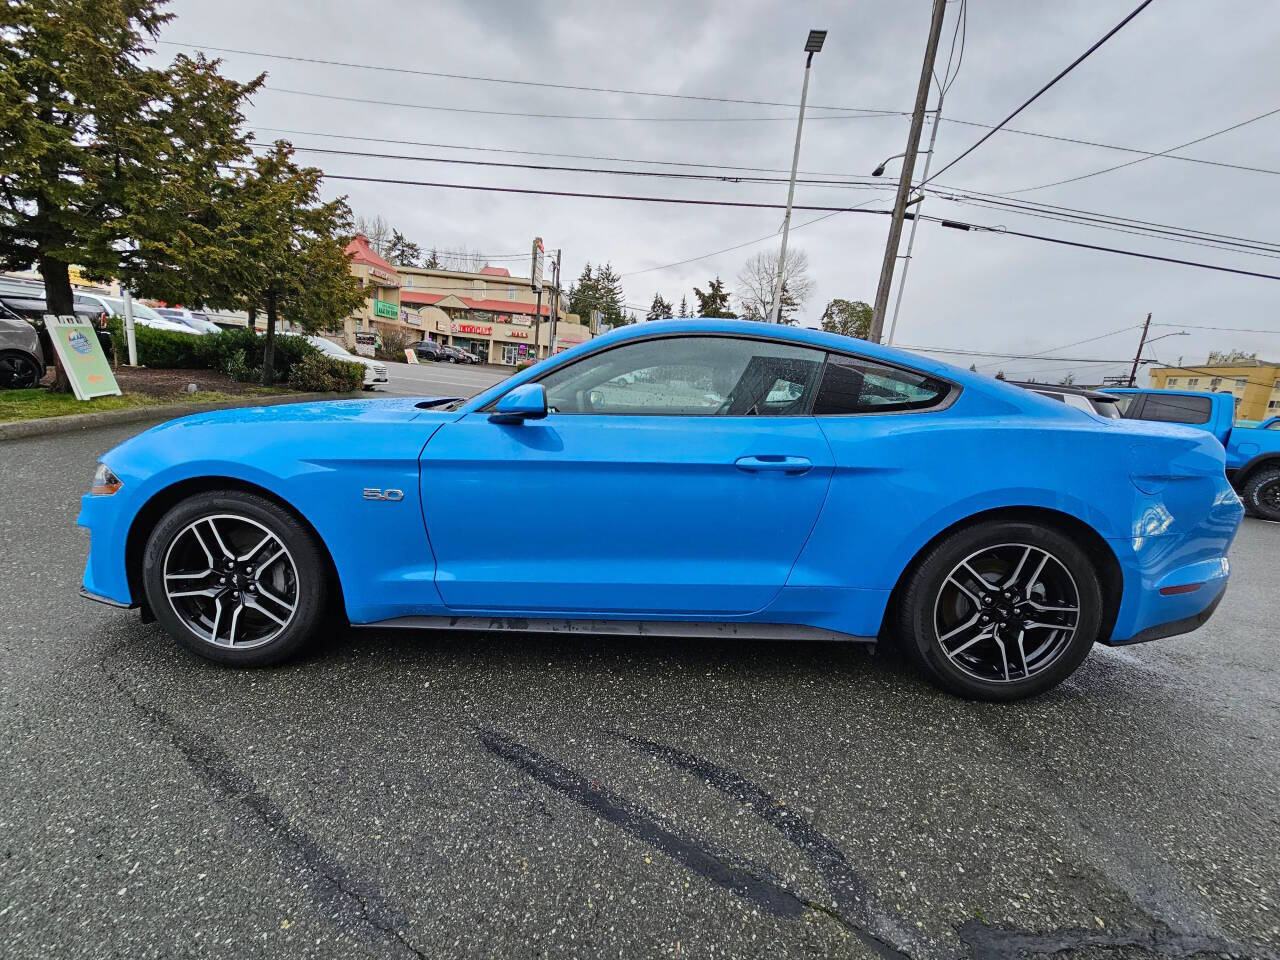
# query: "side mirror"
(526, 402)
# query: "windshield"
(140, 310)
(328, 346)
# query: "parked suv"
(429, 350)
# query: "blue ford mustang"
(684, 478)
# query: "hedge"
(318, 373)
(237, 352)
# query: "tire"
(1261, 494)
(281, 601)
(942, 601)
(19, 371)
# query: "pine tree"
(715, 302)
(110, 164)
(659, 309)
(291, 251)
(684, 306)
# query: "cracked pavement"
(470, 795)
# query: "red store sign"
(456, 327)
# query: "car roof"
(1170, 393)
(1064, 388)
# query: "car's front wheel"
(18, 371)
(1261, 493)
(1001, 610)
(235, 578)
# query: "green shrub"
(391, 346)
(317, 373)
(236, 352)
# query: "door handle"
(774, 463)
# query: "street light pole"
(812, 45)
(915, 219)
(908, 170)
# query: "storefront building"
(490, 314)
(381, 311)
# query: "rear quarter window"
(1174, 409)
(857, 385)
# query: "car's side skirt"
(653, 628)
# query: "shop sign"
(366, 344)
(520, 320)
(519, 334)
(410, 318)
(457, 327)
(384, 308)
(379, 274)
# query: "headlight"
(105, 483)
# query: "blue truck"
(1253, 453)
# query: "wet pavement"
(472, 795)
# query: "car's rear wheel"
(1261, 494)
(1001, 610)
(235, 578)
(19, 371)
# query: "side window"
(689, 376)
(1173, 409)
(857, 385)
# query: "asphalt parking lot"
(463, 795)
(440, 379)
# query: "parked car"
(1081, 398)
(194, 319)
(22, 326)
(1252, 453)
(457, 354)
(375, 372)
(428, 350)
(143, 315)
(756, 481)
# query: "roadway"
(455, 795)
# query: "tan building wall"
(1256, 386)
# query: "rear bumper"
(1175, 627)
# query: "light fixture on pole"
(812, 45)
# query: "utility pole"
(908, 171)
(1137, 357)
(555, 303)
(915, 218)
(812, 45)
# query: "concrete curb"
(71, 423)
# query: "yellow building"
(491, 314)
(1254, 383)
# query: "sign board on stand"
(536, 270)
(366, 344)
(75, 341)
(410, 355)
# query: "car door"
(676, 475)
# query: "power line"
(999, 201)
(1035, 96)
(1101, 224)
(520, 83)
(1076, 343)
(1193, 326)
(954, 224)
(1121, 166)
(554, 116)
(868, 181)
(1006, 356)
(725, 178)
(710, 99)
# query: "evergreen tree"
(684, 306)
(110, 164)
(433, 260)
(715, 302)
(291, 248)
(659, 309)
(402, 251)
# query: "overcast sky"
(1180, 70)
